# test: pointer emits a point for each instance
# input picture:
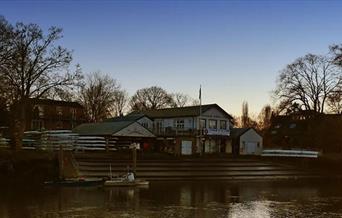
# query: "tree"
(308, 82)
(6, 50)
(99, 96)
(66, 93)
(245, 121)
(265, 118)
(182, 100)
(244, 117)
(121, 100)
(153, 97)
(195, 102)
(335, 102)
(335, 99)
(30, 66)
(336, 51)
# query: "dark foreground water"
(177, 199)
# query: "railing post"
(134, 151)
(61, 162)
(107, 145)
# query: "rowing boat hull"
(119, 183)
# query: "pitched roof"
(54, 102)
(190, 111)
(129, 117)
(237, 132)
(104, 128)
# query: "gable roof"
(39, 101)
(237, 132)
(129, 117)
(104, 128)
(191, 111)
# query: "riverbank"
(328, 165)
(27, 167)
(36, 167)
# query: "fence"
(289, 153)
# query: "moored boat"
(127, 180)
(126, 183)
(76, 182)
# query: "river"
(177, 199)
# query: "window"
(180, 124)
(38, 112)
(144, 125)
(37, 124)
(73, 113)
(292, 126)
(59, 125)
(59, 111)
(41, 111)
(223, 124)
(203, 123)
(212, 124)
(158, 126)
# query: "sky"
(234, 49)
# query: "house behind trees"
(306, 130)
(46, 114)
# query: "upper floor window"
(59, 110)
(158, 125)
(41, 111)
(144, 125)
(212, 124)
(73, 113)
(223, 124)
(38, 112)
(180, 124)
(203, 123)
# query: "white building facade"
(186, 130)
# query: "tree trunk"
(18, 124)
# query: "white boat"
(126, 180)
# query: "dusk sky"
(235, 49)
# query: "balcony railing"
(170, 131)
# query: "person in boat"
(130, 175)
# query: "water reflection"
(176, 199)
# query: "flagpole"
(200, 114)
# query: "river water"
(177, 199)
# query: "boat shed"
(246, 141)
(122, 133)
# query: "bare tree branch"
(150, 98)
(308, 82)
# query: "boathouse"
(117, 133)
(190, 130)
(246, 141)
